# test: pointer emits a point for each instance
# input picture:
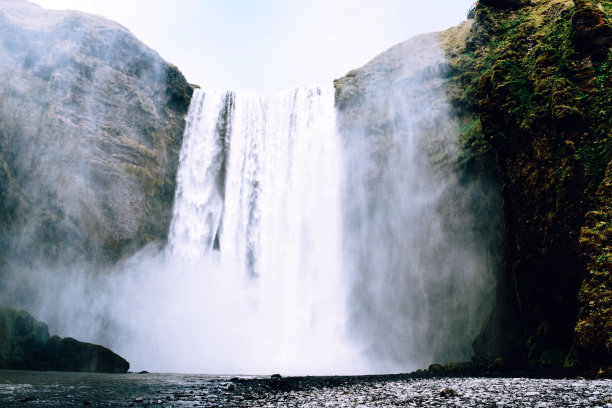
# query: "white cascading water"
(198, 205)
(258, 204)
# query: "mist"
(311, 231)
(423, 245)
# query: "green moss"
(498, 363)
(532, 82)
(436, 369)
(550, 359)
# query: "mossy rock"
(550, 359)
(497, 364)
(436, 369)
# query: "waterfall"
(334, 247)
(259, 204)
(310, 235)
(199, 199)
(259, 180)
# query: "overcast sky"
(266, 46)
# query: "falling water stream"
(258, 203)
(300, 243)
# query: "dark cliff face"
(536, 76)
(91, 123)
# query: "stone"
(448, 393)
(22, 341)
(592, 33)
(28, 399)
(25, 345)
(69, 354)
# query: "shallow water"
(52, 389)
(92, 389)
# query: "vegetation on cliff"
(533, 81)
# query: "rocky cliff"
(530, 86)
(91, 124)
(532, 79)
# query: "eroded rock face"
(540, 110)
(91, 123)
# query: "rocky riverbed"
(49, 389)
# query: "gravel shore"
(31, 389)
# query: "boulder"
(25, 345)
(22, 340)
(69, 354)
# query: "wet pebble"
(374, 391)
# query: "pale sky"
(266, 46)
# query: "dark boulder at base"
(25, 345)
(69, 354)
(22, 341)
